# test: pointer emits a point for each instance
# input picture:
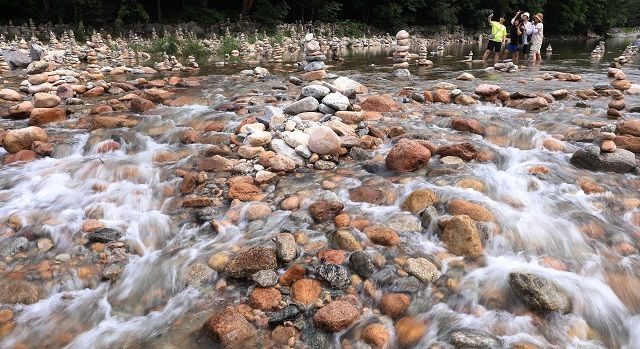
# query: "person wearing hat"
(537, 37)
(496, 39)
(526, 27)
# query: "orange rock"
(382, 235)
(474, 211)
(409, 331)
(375, 335)
(293, 274)
(306, 291)
(332, 256)
(394, 304)
(265, 298)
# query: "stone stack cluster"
(401, 55)
(314, 68)
(621, 84)
(277, 53)
(423, 61)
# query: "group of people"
(524, 36)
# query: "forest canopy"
(562, 17)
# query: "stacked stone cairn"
(4, 66)
(598, 51)
(244, 46)
(191, 63)
(422, 57)
(336, 47)
(277, 53)
(401, 55)
(314, 68)
(621, 84)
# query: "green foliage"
(228, 44)
(351, 29)
(279, 38)
(270, 13)
(194, 48)
(174, 47)
(130, 11)
(200, 15)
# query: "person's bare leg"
(496, 56)
(516, 56)
(486, 55)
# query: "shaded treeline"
(562, 16)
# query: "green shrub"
(228, 44)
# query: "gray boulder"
(301, 106)
(467, 338)
(538, 293)
(16, 59)
(591, 158)
(336, 100)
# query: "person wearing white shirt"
(537, 37)
(527, 30)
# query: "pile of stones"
(314, 58)
(401, 55)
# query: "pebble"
(265, 278)
(336, 275)
(422, 269)
(362, 263)
(286, 247)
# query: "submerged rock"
(336, 316)
(231, 329)
(467, 338)
(251, 261)
(538, 293)
(407, 155)
(19, 292)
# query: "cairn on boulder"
(422, 57)
(314, 67)
(401, 55)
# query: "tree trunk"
(246, 6)
(46, 4)
(159, 9)
(204, 3)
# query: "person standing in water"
(515, 39)
(537, 37)
(526, 27)
(496, 39)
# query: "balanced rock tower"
(314, 68)
(401, 55)
(423, 61)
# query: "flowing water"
(544, 223)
